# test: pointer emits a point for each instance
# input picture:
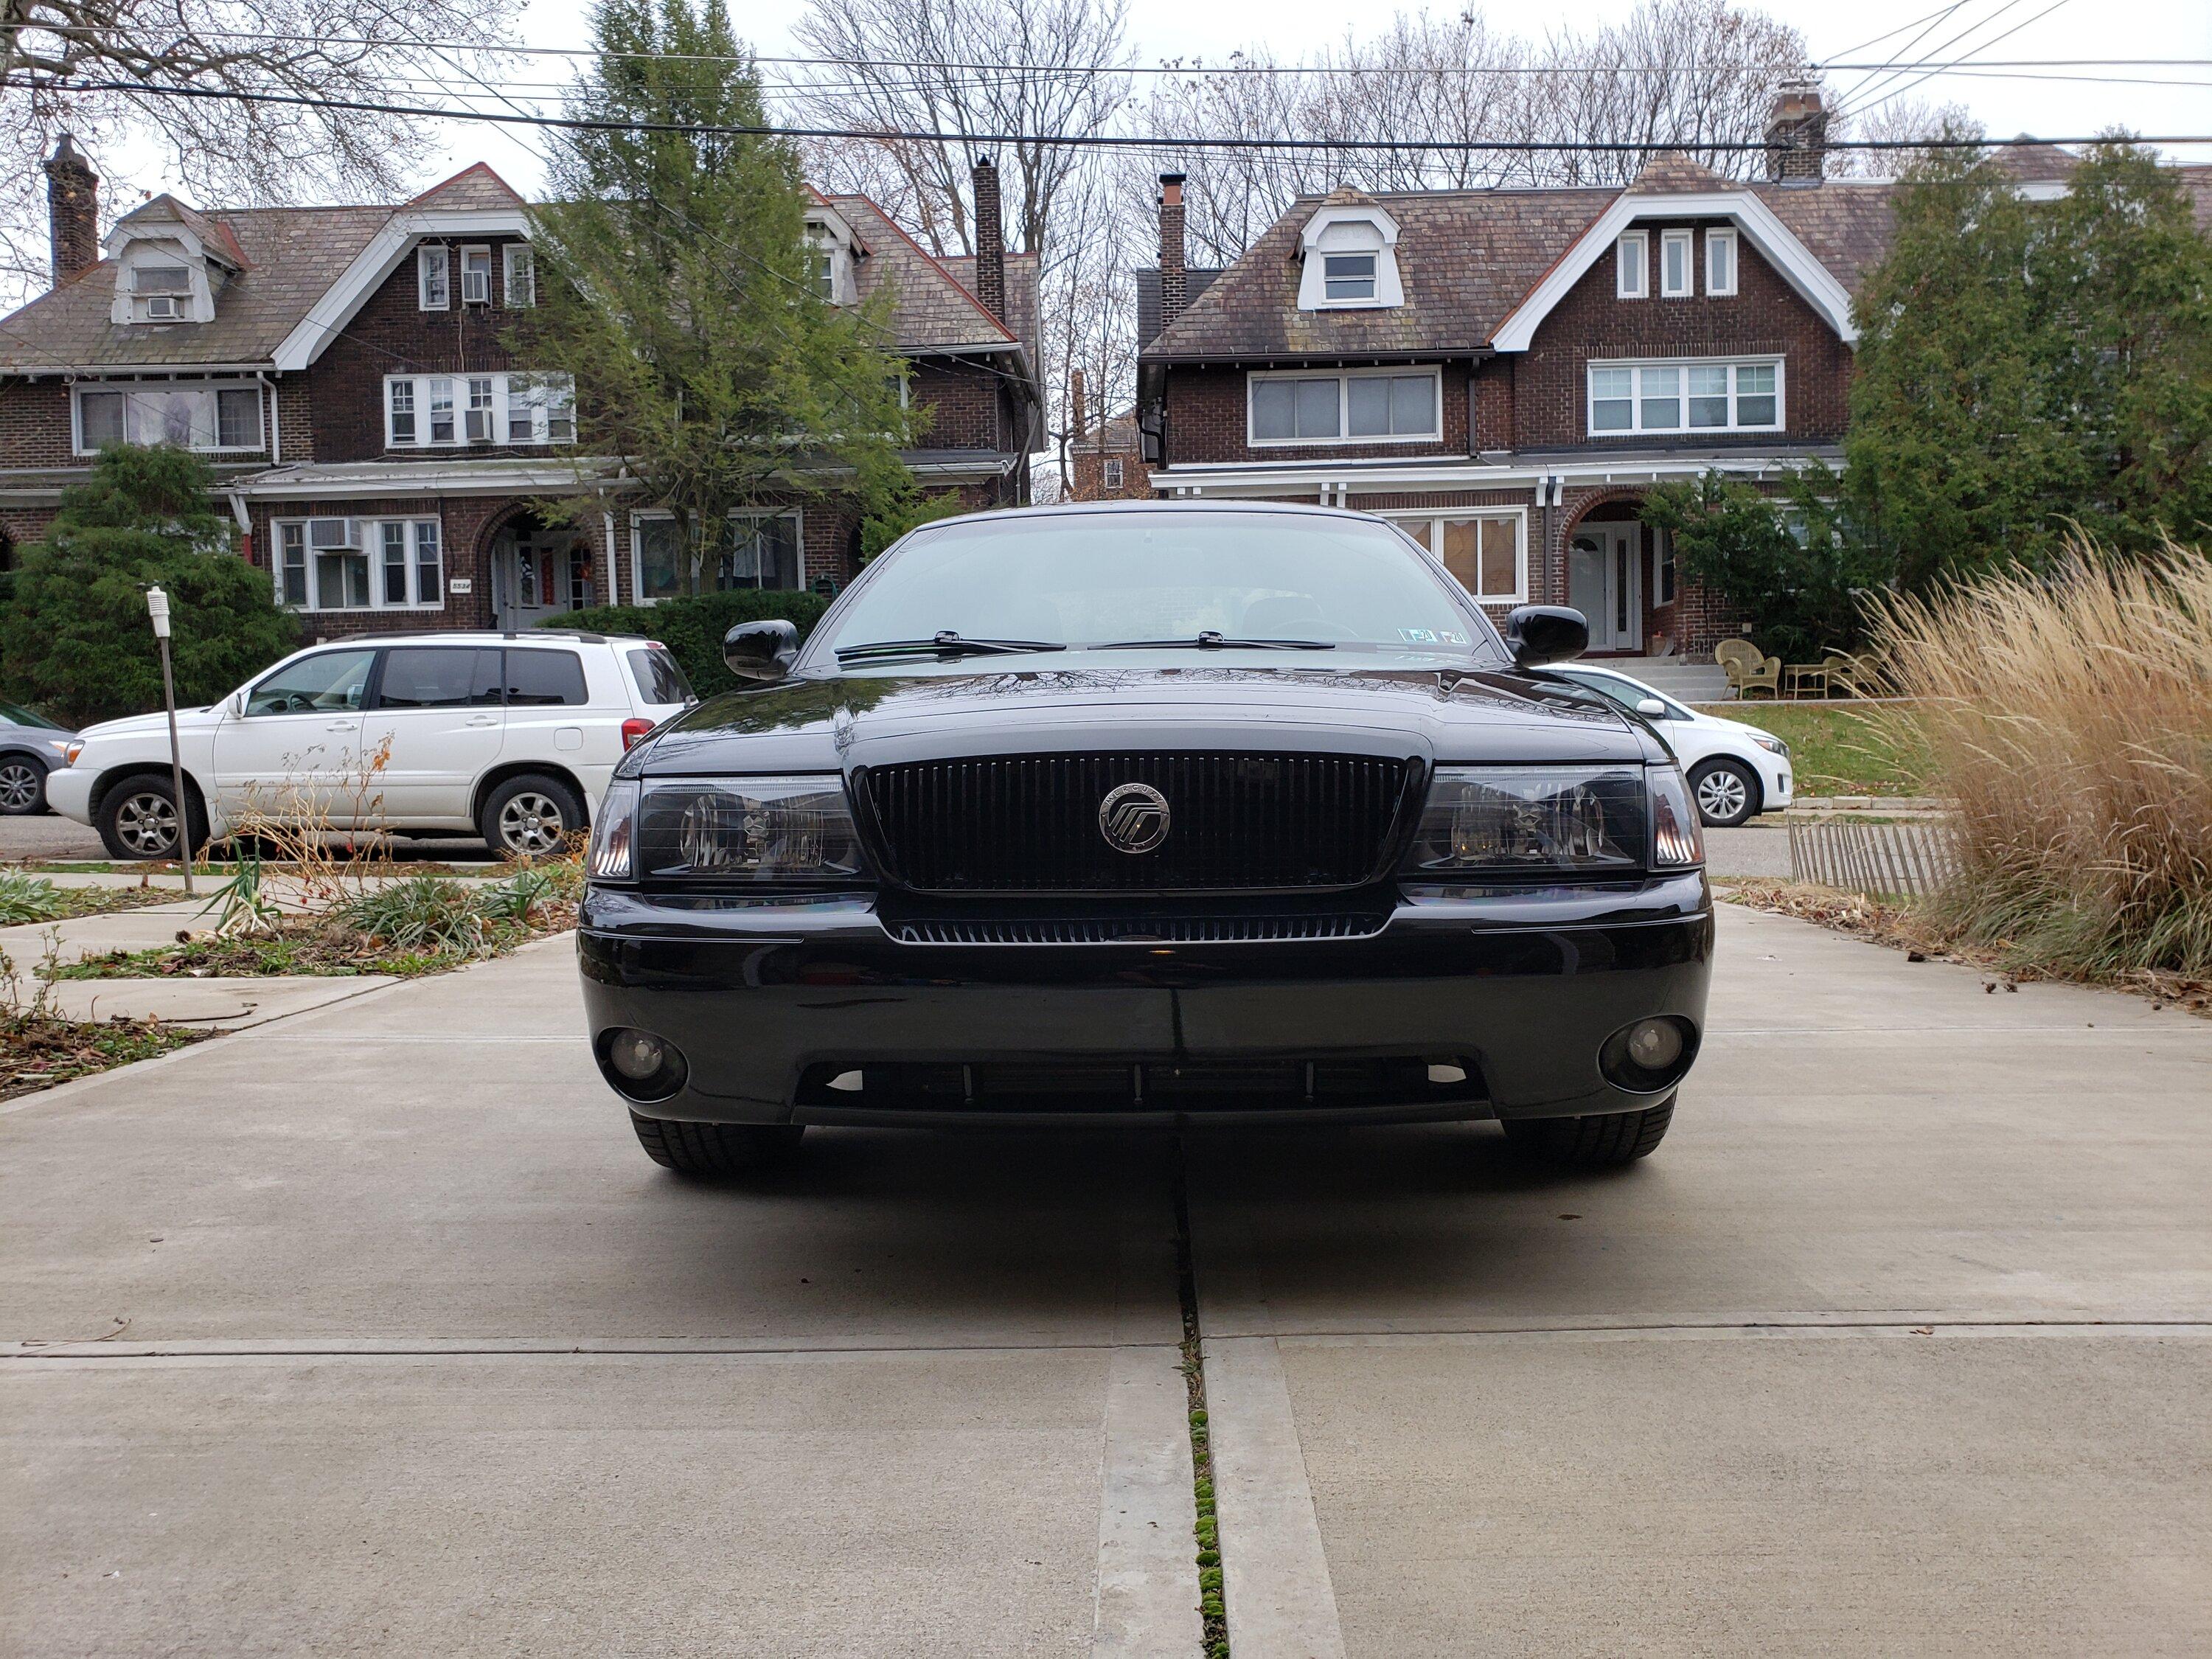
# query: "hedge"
(692, 629)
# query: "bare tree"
(1899, 120)
(181, 74)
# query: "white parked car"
(1736, 771)
(511, 736)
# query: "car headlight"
(1768, 741)
(1678, 841)
(614, 834)
(735, 829)
(1534, 818)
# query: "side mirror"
(761, 651)
(1651, 708)
(1540, 633)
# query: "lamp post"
(157, 605)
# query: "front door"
(536, 574)
(294, 753)
(1604, 583)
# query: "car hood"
(1438, 713)
(133, 726)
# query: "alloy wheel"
(19, 786)
(1722, 795)
(532, 824)
(147, 823)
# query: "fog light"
(1655, 1044)
(638, 1055)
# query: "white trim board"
(1755, 221)
(374, 264)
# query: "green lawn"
(1839, 748)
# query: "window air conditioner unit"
(163, 308)
(334, 535)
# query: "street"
(371, 1330)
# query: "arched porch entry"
(1610, 575)
(538, 570)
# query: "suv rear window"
(659, 676)
(544, 677)
(440, 676)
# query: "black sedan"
(31, 745)
(1149, 812)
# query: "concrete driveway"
(371, 1330)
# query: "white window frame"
(1631, 265)
(1373, 279)
(1344, 378)
(644, 516)
(369, 537)
(212, 388)
(518, 260)
(1716, 240)
(1665, 577)
(1683, 244)
(1111, 473)
(1636, 427)
(434, 277)
(476, 262)
(1435, 518)
(510, 391)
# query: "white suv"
(511, 737)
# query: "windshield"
(13, 714)
(1088, 579)
(1625, 692)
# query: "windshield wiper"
(1211, 640)
(945, 643)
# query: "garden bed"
(40, 1050)
(27, 900)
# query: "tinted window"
(13, 714)
(330, 682)
(439, 676)
(544, 677)
(659, 676)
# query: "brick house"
(1105, 461)
(1506, 373)
(347, 371)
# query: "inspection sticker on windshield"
(1431, 636)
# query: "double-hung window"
(515, 408)
(196, 414)
(518, 275)
(476, 275)
(359, 564)
(433, 287)
(1677, 272)
(756, 551)
(1383, 406)
(1631, 265)
(1685, 397)
(1487, 552)
(1346, 276)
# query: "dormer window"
(1348, 276)
(476, 275)
(1349, 250)
(158, 290)
(830, 252)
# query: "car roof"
(486, 637)
(1152, 508)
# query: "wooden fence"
(1860, 857)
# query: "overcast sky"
(2075, 30)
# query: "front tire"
(23, 786)
(1602, 1142)
(137, 819)
(1727, 794)
(532, 816)
(715, 1151)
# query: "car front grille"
(1166, 1083)
(1236, 822)
(1134, 929)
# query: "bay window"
(515, 407)
(356, 564)
(1486, 551)
(1685, 397)
(1385, 405)
(199, 415)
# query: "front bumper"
(69, 791)
(764, 999)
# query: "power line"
(1930, 75)
(1069, 141)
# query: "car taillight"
(634, 731)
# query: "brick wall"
(1764, 316)
(1087, 474)
(1206, 421)
(963, 404)
(35, 428)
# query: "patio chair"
(1854, 675)
(1747, 671)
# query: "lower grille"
(1136, 930)
(1024, 823)
(1165, 1084)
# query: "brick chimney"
(72, 211)
(1175, 279)
(1797, 135)
(990, 239)
(1076, 415)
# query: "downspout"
(276, 420)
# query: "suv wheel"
(23, 786)
(1591, 1143)
(715, 1151)
(531, 816)
(1726, 793)
(138, 818)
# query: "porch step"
(1684, 678)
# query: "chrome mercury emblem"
(1133, 818)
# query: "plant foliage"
(692, 630)
(76, 640)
